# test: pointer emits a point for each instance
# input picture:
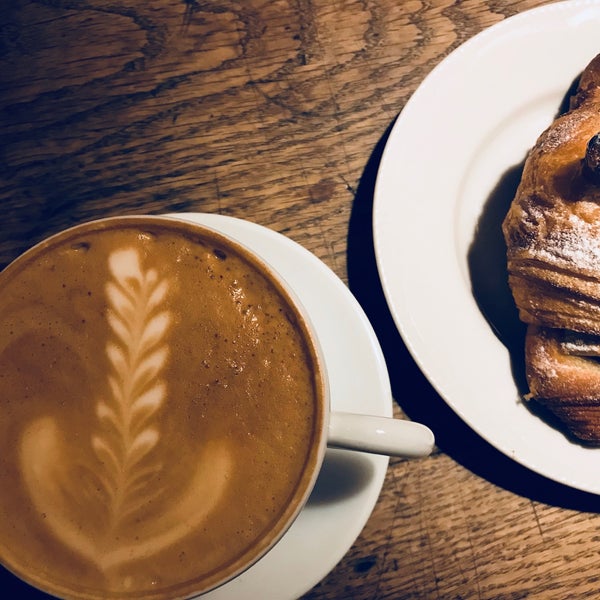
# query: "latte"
(162, 410)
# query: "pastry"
(552, 233)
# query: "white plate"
(470, 122)
(350, 482)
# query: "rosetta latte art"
(103, 508)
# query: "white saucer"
(350, 482)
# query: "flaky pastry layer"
(552, 232)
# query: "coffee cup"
(165, 410)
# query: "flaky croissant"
(552, 233)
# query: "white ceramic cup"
(366, 433)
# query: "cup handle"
(379, 435)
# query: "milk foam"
(162, 411)
(128, 474)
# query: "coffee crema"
(162, 410)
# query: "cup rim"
(315, 456)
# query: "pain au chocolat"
(552, 232)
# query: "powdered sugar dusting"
(580, 344)
(577, 244)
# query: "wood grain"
(277, 112)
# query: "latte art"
(124, 480)
(160, 405)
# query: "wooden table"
(278, 112)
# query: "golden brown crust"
(552, 232)
(568, 385)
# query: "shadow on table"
(410, 388)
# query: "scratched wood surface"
(277, 112)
